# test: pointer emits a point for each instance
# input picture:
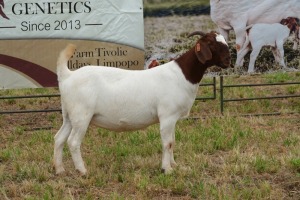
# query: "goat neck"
(192, 69)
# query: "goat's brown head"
(212, 49)
(292, 23)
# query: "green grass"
(219, 157)
(263, 106)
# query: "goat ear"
(203, 52)
(283, 22)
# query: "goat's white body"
(237, 14)
(260, 35)
(119, 102)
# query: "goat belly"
(122, 123)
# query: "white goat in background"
(273, 35)
(237, 14)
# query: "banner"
(32, 33)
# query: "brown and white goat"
(124, 100)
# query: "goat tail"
(248, 27)
(62, 62)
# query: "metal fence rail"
(223, 86)
(29, 97)
(212, 84)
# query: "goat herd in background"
(123, 100)
(256, 24)
(269, 21)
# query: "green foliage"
(295, 162)
(175, 7)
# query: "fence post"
(221, 95)
(215, 87)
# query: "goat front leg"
(172, 160)
(281, 56)
(276, 54)
(167, 132)
(296, 40)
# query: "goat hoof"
(60, 171)
(82, 173)
(166, 171)
(174, 164)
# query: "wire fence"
(223, 99)
(212, 85)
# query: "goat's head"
(291, 23)
(212, 48)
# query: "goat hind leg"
(253, 57)
(60, 138)
(74, 143)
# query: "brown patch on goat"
(291, 23)
(194, 64)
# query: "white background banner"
(32, 33)
(116, 21)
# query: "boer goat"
(123, 100)
(273, 35)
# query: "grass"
(218, 157)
